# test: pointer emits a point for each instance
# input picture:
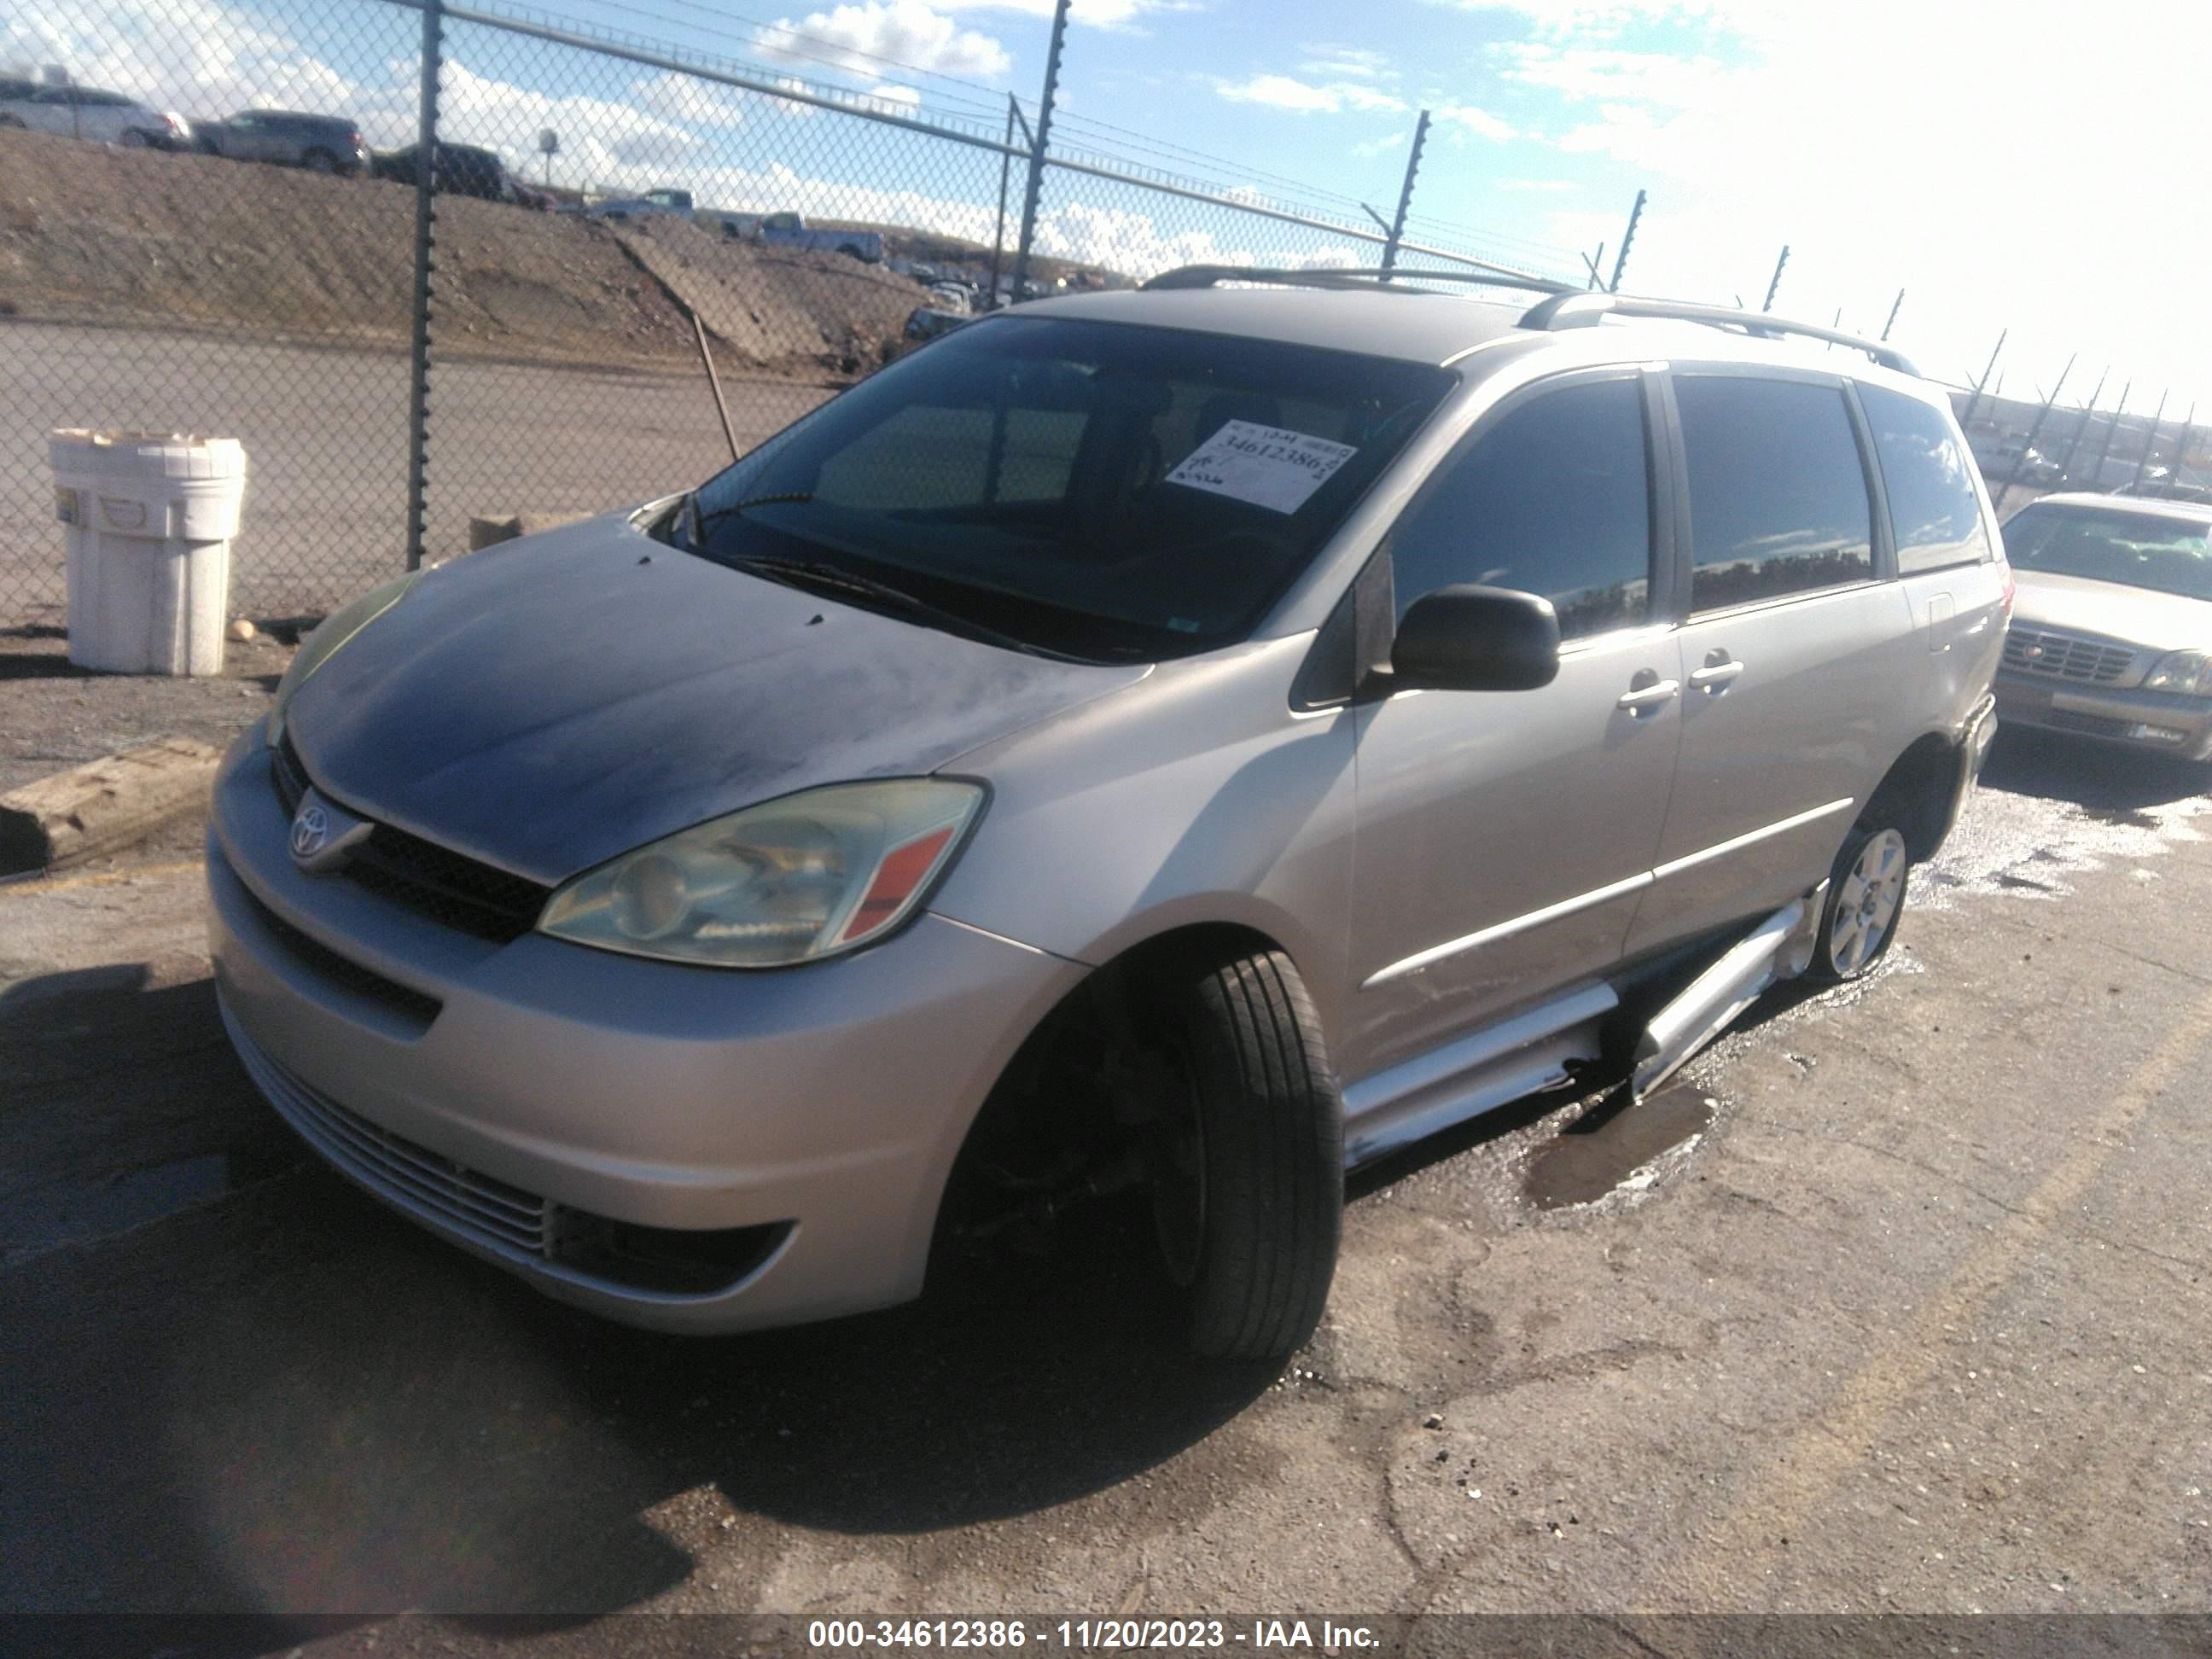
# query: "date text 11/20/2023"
(1321, 1636)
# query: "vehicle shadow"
(2103, 779)
(277, 1397)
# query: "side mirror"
(1468, 638)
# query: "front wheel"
(1866, 896)
(134, 139)
(1247, 1157)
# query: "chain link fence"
(642, 258)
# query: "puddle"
(1611, 1147)
(42, 1219)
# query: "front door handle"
(1642, 697)
(1716, 677)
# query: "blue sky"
(2041, 175)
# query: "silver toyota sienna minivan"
(1154, 749)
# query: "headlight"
(790, 881)
(2189, 672)
(333, 631)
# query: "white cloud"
(1467, 121)
(869, 38)
(1368, 150)
(1336, 62)
(1305, 97)
(1122, 14)
(1536, 184)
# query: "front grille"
(449, 887)
(411, 1005)
(491, 1212)
(2066, 656)
(2089, 725)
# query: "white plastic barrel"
(151, 516)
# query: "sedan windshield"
(1092, 489)
(2110, 544)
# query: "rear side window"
(1554, 499)
(1933, 509)
(1777, 498)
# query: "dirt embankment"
(90, 234)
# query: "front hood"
(2160, 622)
(551, 702)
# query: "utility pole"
(1775, 282)
(1404, 196)
(1894, 306)
(2089, 410)
(2097, 478)
(2034, 432)
(2142, 462)
(1621, 259)
(1037, 150)
(2181, 444)
(1974, 402)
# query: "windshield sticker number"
(1269, 466)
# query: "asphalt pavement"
(1896, 1302)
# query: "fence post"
(1621, 259)
(1036, 150)
(2142, 462)
(2089, 413)
(2034, 430)
(1404, 196)
(1774, 282)
(426, 213)
(2097, 478)
(1974, 402)
(2181, 442)
(1006, 167)
(1895, 306)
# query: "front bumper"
(2158, 721)
(516, 1097)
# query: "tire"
(14, 121)
(319, 160)
(1249, 1160)
(1866, 900)
(134, 139)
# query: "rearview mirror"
(1468, 638)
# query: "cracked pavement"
(1897, 1301)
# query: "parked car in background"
(667, 203)
(926, 323)
(1145, 753)
(952, 297)
(529, 196)
(790, 230)
(108, 117)
(320, 144)
(462, 170)
(2112, 630)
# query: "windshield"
(1094, 489)
(2110, 544)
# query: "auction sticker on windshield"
(1269, 466)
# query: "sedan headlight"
(333, 631)
(2189, 672)
(790, 881)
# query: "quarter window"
(1777, 497)
(1554, 499)
(1934, 509)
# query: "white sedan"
(87, 112)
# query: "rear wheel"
(134, 139)
(1866, 897)
(320, 160)
(1245, 1157)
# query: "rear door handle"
(1715, 676)
(1649, 696)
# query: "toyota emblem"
(310, 828)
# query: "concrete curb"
(103, 805)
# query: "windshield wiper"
(817, 573)
(702, 522)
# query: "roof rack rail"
(1361, 278)
(1575, 309)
